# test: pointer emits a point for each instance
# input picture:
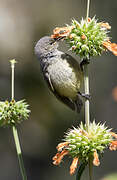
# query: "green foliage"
(13, 112)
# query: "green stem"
(87, 111)
(86, 89)
(15, 133)
(81, 170)
(90, 169)
(19, 153)
(88, 4)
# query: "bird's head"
(45, 46)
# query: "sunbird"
(61, 71)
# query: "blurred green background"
(22, 24)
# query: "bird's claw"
(86, 96)
(84, 62)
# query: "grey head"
(45, 46)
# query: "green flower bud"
(85, 48)
(13, 112)
(79, 44)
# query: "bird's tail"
(75, 105)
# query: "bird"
(61, 71)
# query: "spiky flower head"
(13, 112)
(83, 145)
(86, 38)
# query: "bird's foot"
(86, 96)
(84, 62)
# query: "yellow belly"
(65, 81)
(67, 91)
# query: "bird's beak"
(55, 40)
(59, 38)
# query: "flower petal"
(105, 25)
(111, 47)
(113, 146)
(62, 145)
(56, 156)
(61, 32)
(96, 161)
(73, 165)
(59, 156)
(113, 134)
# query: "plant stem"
(87, 111)
(80, 170)
(88, 4)
(19, 153)
(86, 89)
(14, 129)
(90, 169)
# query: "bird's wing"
(74, 64)
(75, 105)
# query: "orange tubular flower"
(96, 161)
(59, 156)
(111, 47)
(59, 32)
(106, 25)
(61, 146)
(113, 134)
(113, 146)
(73, 165)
